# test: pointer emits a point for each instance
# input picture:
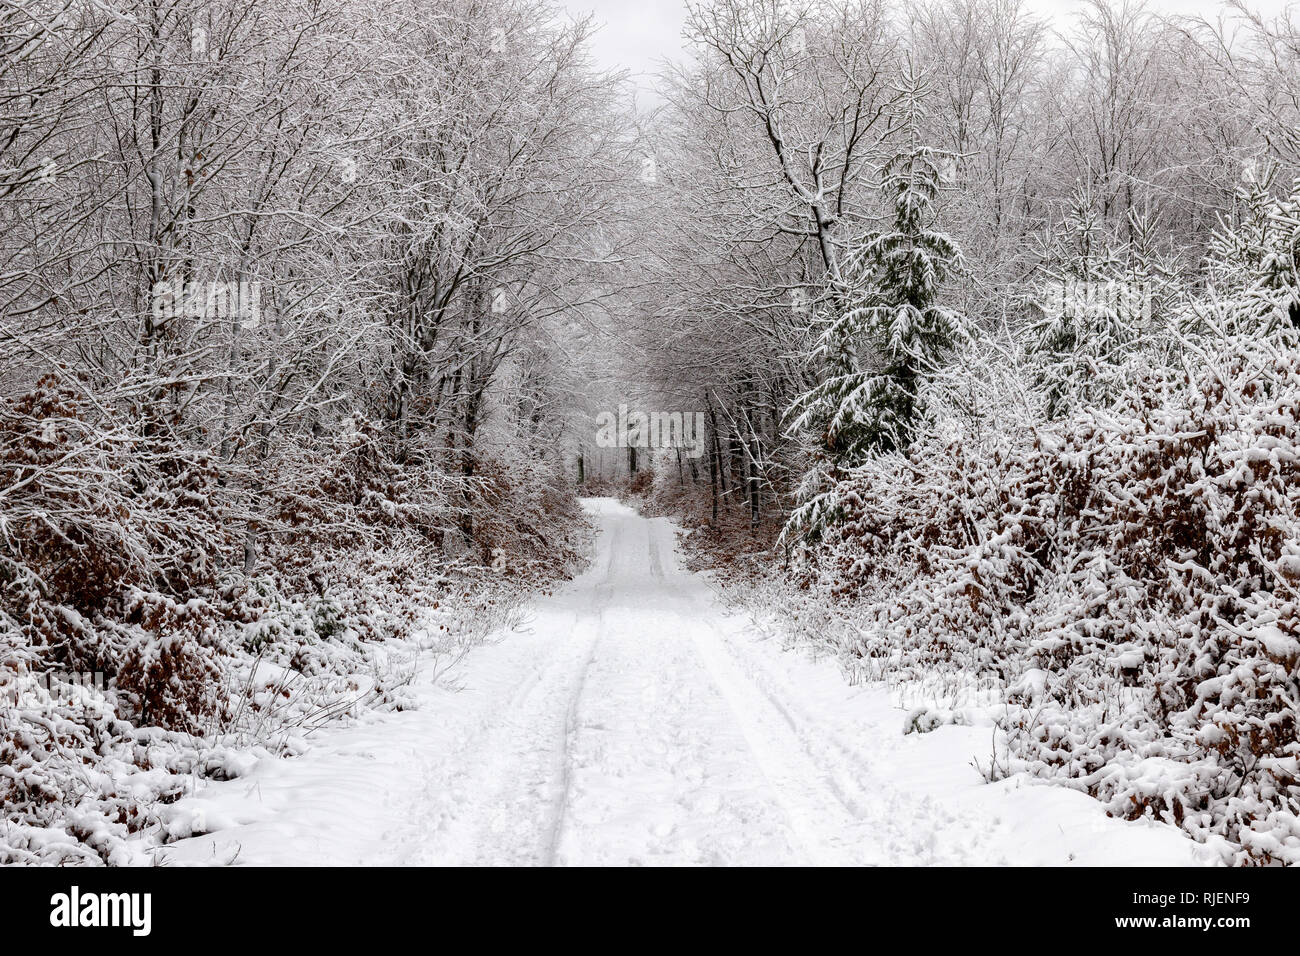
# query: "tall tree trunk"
(714, 470)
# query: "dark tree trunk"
(714, 475)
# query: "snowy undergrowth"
(1126, 577)
(137, 659)
(85, 784)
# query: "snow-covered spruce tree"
(1100, 300)
(888, 331)
(1255, 261)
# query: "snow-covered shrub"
(926, 719)
(526, 518)
(123, 557)
(1130, 574)
(641, 482)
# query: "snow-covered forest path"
(636, 721)
(638, 736)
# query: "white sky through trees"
(637, 35)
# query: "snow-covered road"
(636, 721)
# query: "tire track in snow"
(911, 824)
(829, 826)
(556, 830)
(877, 822)
(535, 736)
(490, 801)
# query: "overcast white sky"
(638, 33)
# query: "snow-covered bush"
(924, 720)
(117, 560)
(1140, 561)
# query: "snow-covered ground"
(635, 720)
